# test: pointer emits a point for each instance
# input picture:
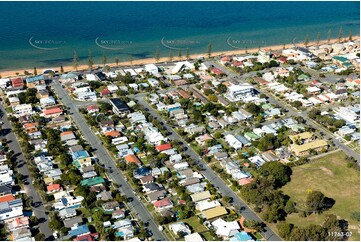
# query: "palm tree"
(170, 55)
(187, 53)
(329, 33)
(117, 60)
(306, 41)
(35, 71)
(180, 54)
(209, 49)
(104, 60)
(350, 36)
(318, 38)
(90, 60)
(157, 54)
(340, 34)
(75, 61)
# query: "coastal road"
(29, 189)
(104, 158)
(208, 173)
(293, 112)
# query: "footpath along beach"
(137, 62)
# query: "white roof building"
(195, 237)
(151, 68)
(179, 227)
(183, 65)
(207, 204)
(91, 77)
(226, 229)
(233, 142)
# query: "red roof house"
(53, 111)
(92, 108)
(105, 92)
(184, 94)
(237, 63)
(113, 133)
(225, 58)
(245, 181)
(163, 203)
(217, 71)
(17, 82)
(86, 237)
(132, 159)
(282, 59)
(53, 188)
(163, 147)
(7, 198)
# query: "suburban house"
(164, 203)
(202, 139)
(225, 229)
(304, 149)
(52, 112)
(31, 82)
(119, 107)
(17, 82)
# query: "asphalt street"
(104, 158)
(211, 176)
(293, 112)
(29, 189)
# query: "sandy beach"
(20, 72)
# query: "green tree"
(90, 60)
(315, 201)
(221, 88)
(253, 224)
(180, 53)
(39, 237)
(209, 49)
(117, 60)
(75, 60)
(285, 229)
(297, 104)
(212, 98)
(217, 135)
(276, 172)
(273, 214)
(253, 108)
(55, 223)
(339, 123)
(187, 54)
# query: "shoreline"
(137, 62)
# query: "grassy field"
(355, 146)
(331, 176)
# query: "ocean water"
(45, 34)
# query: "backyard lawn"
(195, 225)
(332, 177)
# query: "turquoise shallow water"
(47, 33)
